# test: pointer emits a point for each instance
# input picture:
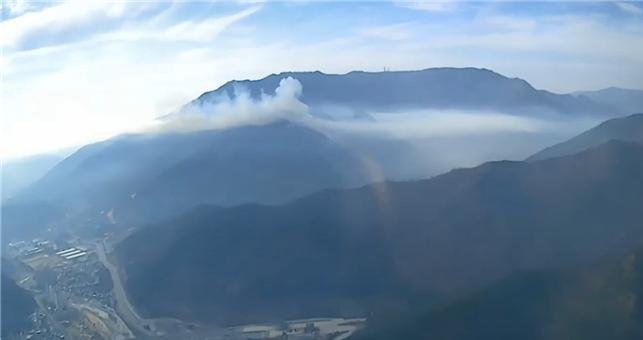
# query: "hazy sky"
(79, 71)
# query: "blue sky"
(80, 71)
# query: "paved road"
(123, 306)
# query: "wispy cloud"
(80, 71)
(401, 31)
(16, 7)
(428, 6)
(195, 30)
(207, 29)
(110, 80)
(630, 7)
(505, 22)
(56, 19)
(82, 20)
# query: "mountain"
(143, 175)
(629, 129)
(626, 101)
(590, 302)
(347, 252)
(17, 305)
(18, 174)
(27, 220)
(329, 95)
(138, 177)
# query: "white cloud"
(389, 32)
(74, 16)
(202, 30)
(429, 6)
(16, 7)
(105, 83)
(576, 38)
(505, 22)
(207, 29)
(120, 79)
(65, 15)
(630, 7)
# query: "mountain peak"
(466, 88)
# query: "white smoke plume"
(434, 141)
(410, 125)
(229, 112)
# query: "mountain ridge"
(431, 88)
(628, 129)
(136, 175)
(626, 101)
(592, 301)
(392, 240)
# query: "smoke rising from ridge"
(438, 140)
(242, 109)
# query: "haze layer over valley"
(377, 247)
(321, 170)
(247, 141)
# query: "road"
(123, 306)
(152, 328)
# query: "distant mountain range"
(149, 176)
(139, 177)
(282, 221)
(19, 174)
(143, 177)
(629, 129)
(625, 101)
(349, 251)
(434, 88)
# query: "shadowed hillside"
(150, 175)
(444, 236)
(593, 302)
(17, 305)
(627, 129)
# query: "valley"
(340, 262)
(73, 305)
(304, 225)
(321, 170)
